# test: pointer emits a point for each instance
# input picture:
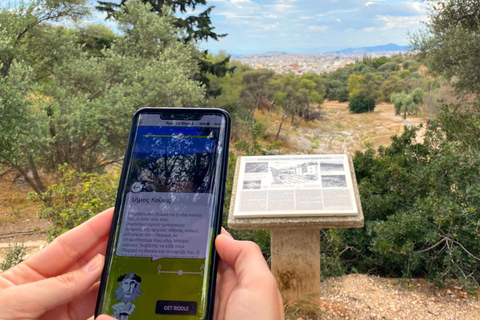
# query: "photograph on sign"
(282, 186)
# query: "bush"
(14, 256)
(421, 203)
(76, 198)
(389, 66)
(407, 103)
(358, 104)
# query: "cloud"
(391, 22)
(318, 28)
(298, 24)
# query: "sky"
(312, 26)
(307, 26)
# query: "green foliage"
(17, 22)
(331, 262)
(450, 43)
(393, 84)
(14, 255)
(434, 100)
(73, 104)
(377, 78)
(359, 103)
(381, 61)
(232, 163)
(336, 84)
(336, 90)
(256, 88)
(76, 198)
(363, 91)
(196, 27)
(193, 25)
(407, 103)
(420, 202)
(94, 38)
(389, 66)
(23, 124)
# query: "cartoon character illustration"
(128, 290)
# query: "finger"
(104, 317)
(99, 248)
(64, 251)
(244, 257)
(226, 283)
(85, 305)
(226, 233)
(45, 295)
(81, 308)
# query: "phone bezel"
(218, 218)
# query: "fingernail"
(93, 264)
(226, 233)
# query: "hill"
(391, 47)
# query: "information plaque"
(294, 197)
(295, 186)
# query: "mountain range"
(383, 48)
(391, 47)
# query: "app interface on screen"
(161, 260)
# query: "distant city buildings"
(300, 63)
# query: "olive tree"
(79, 114)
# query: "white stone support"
(295, 258)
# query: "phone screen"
(160, 261)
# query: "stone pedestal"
(295, 258)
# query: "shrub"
(15, 254)
(421, 205)
(76, 198)
(407, 103)
(389, 66)
(358, 104)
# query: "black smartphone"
(161, 262)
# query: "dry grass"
(14, 202)
(340, 131)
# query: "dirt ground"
(349, 297)
(19, 222)
(363, 297)
(343, 132)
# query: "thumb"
(104, 317)
(50, 293)
(243, 256)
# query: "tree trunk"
(31, 182)
(6, 67)
(36, 176)
(271, 107)
(280, 127)
(252, 123)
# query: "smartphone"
(161, 262)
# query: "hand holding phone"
(60, 280)
(246, 289)
(161, 262)
(67, 285)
